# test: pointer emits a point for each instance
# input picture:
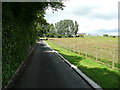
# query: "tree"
(76, 27)
(105, 35)
(66, 28)
(51, 30)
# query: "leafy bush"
(59, 36)
(113, 36)
(17, 38)
(47, 35)
(70, 36)
(105, 35)
(51, 35)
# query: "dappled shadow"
(45, 48)
(103, 76)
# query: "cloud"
(91, 15)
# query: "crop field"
(102, 49)
(103, 75)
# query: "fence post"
(62, 45)
(118, 58)
(96, 54)
(79, 50)
(113, 59)
(86, 51)
(69, 47)
(74, 47)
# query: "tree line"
(63, 28)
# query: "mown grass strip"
(101, 74)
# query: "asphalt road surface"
(47, 70)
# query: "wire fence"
(106, 56)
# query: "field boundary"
(78, 71)
(96, 56)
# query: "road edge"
(21, 67)
(78, 71)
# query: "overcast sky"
(93, 16)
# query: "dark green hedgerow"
(17, 38)
(19, 32)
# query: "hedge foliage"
(19, 32)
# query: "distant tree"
(52, 29)
(66, 28)
(105, 35)
(58, 36)
(76, 27)
(39, 30)
(113, 36)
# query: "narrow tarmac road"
(47, 70)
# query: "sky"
(96, 17)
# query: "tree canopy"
(63, 28)
(66, 27)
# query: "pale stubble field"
(102, 49)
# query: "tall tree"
(76, 27)
(51, 28)
(66, 27)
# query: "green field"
(105, 76)
(102, 49)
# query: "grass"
(105, 47)
(101, 74)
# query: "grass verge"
(103, 75)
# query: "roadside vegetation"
(105, 76)
(20, 31)
(24, 23)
